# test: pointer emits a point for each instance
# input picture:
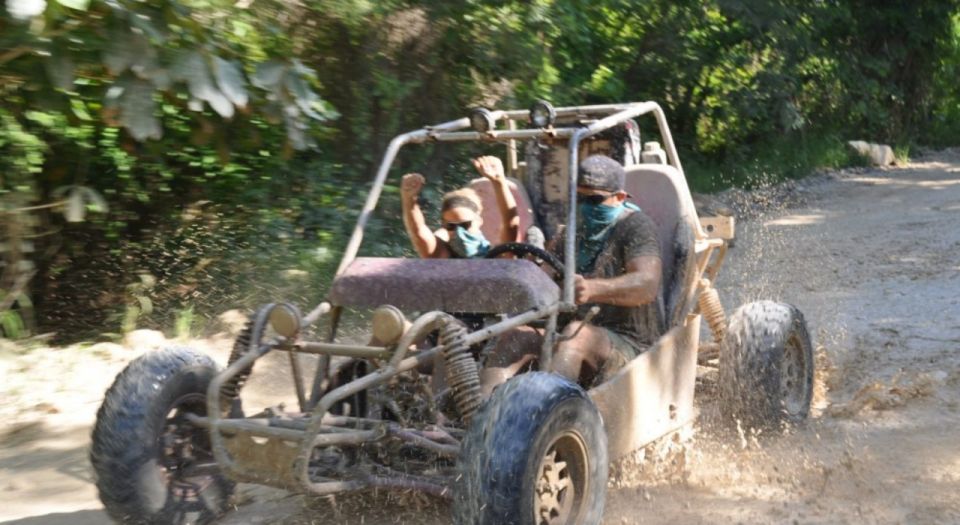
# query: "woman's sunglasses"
(450, 226)
(594, 199)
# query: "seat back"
(657, 189)
(487, 286)
(492, 219)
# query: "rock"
(294, 274)
(709, 205)
(47, 408)
(144, 340)
(232, 321)
(876, 154)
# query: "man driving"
(617, 269)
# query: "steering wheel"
(522, 249)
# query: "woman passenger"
(459, 235)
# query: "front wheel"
(152, 466)
(536, 454)
(766, 365)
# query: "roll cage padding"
(491, 211)
(508, 286)
(656, 189)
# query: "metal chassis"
(322, 429)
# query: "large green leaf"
(80, 5)
(125, 50)
(230, 81)
(25, 9)
(78, 199)
(60, 69)
(75, 210)
(145, 24)
(269, 74)
(93, 199)
(138, 110)
(191, 67)
(302, 95)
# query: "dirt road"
(872, 258)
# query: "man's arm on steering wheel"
(638, 286)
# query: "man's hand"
(581, 289)
(411, 184)
(490, 167)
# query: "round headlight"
(482, 121)
(389, 324)
(542, 114)
(285, 320)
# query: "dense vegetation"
(196, 155)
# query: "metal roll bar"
(613, 114)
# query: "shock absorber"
(230, 390)
(462, 374)
(711, 308)
(248, 340)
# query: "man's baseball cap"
(600, 172)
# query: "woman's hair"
(462, 198)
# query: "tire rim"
(793, 377)
(185, 459)
(562, 483)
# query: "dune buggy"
(171, 437)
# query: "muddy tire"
(535, 453)
(766, 366)
(145, 454)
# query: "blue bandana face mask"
(594, 218)
(595, 221)
(468, 245)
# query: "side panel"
(653, 394)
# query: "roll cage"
(607, 115)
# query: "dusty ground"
(871, 257)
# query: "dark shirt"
(634, 235)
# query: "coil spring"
(462, 374)
(712, 310)
(230, 390)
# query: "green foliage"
(944, 127)
(124, 58)
(183, 326)
(11, 325)
(232, 142)
(780, 159)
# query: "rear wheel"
(152, 466)
(536, 454)
(766, 365)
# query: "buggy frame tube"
(353, 246)
(311, 436)
(396, 366)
